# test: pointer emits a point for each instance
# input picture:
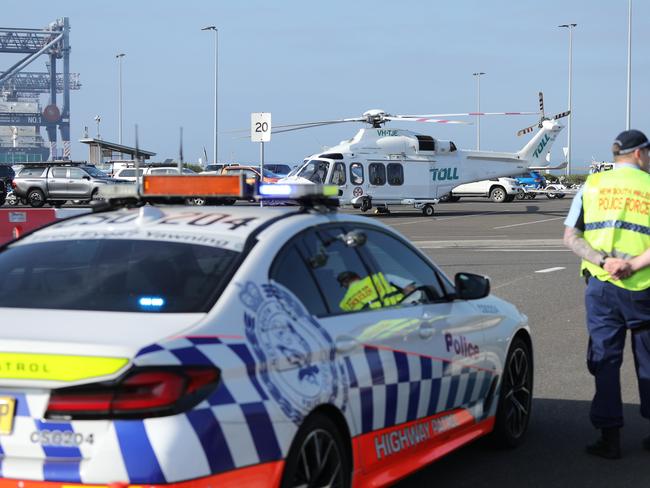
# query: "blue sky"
(306, 60)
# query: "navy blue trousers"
(611, 311)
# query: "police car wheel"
(317, 456)
(515, 397)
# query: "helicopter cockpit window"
(356, 174)
(315, 171)
(377, 174)
(338, 174)
(395, 174)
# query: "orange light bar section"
(194, 185)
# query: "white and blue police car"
(170, 345)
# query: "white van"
(497, 189)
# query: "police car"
(237, 346)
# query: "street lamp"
(216, 79)
(628, 116)
(568, 153)
(119, 57)
(478, 75)
(98, 119)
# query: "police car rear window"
(114, 275)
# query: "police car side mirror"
(354, 238)
(470, 286)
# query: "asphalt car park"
(518, 245)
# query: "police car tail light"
(143, 392)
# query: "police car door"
(448, 339)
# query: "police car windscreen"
(114, 275)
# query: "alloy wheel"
(518, 393)
(319, 462)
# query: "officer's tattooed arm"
(616, 267)
(573, 240)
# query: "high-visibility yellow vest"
(370, 292)
(616, 208)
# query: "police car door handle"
(346, 344)
(427, 330)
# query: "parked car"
(278, 169)
(497, 189)
(3, 192)
(252, 173)
(129, 174)
(48, 183)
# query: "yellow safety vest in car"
(616, 208)
(370, 292)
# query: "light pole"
(628, 117)
(119, 57)
(216, 80)
(98, 119)
(478, 75)
(568, 152)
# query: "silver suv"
(55, 183)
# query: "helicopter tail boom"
(534, 152)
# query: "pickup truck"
(38, 184)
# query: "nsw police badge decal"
(297, 356)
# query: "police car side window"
(403, 268)
(340, 273)
(290, 270)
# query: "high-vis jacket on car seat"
(616, 208)
(373, 291)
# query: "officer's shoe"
(608, 446)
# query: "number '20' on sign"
(260, 127)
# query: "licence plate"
(7, 407)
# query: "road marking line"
(406, 223)
(550, 270)
(522, 250)
(528, 223)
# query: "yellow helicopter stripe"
(56, 367)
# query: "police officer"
(373, 291)
(608, 226)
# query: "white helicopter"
(381, 167)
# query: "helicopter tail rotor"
(542, 117)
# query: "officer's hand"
(618, 268)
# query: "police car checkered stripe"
(396, 387)
(617, 224)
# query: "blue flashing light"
(275, 190)
(151, 302)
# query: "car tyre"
(36, 198)
(498, 194)
(521, 194)
(428, 210)
(515, 396)
(317, 456)
(196, 201)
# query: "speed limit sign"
(260, 127)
